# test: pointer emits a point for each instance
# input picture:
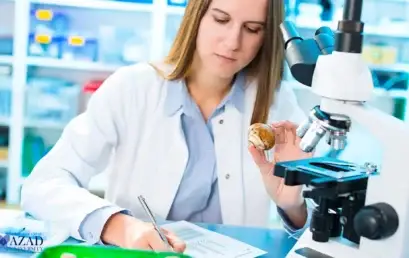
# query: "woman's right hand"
(128, 232)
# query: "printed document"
(203, 243)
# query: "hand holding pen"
(128, 232)
(161, 232)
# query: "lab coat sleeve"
(293, 231)
(93, 224)
(56, 188)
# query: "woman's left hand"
(286, 148)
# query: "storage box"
(4, 154)
(79, 48)
(181, 3)
(52, 100)
(44, 45)
(46, 20)
(380, 54)
(5, 96)
(120, 45)
(6, 45)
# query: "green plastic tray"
(82, 251)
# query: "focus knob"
(376, 221)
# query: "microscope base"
(334, 248)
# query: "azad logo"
(27, 242)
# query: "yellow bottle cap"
(43, 38)
(76, 41)
(44, 14)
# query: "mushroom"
(261, 136)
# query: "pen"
(153, 220)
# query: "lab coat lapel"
(172, 163)
(167, 161)
(228, 146)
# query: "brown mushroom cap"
(261, 136)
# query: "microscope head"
(302, 56)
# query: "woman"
(177, 131)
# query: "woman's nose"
(232, 39)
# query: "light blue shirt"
(197, 199)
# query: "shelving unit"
(175, 10)
(6, 59)
(79, 71)
(158, 14)
(378, 92)
(99, 4)
(71, 65)
(38, 124)
(380, 31)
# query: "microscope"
(361, 209)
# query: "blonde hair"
(266, 67)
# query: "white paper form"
(203, 243)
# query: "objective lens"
(312, 137)
(303, 128)
(337, 140)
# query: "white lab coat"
(126, 115)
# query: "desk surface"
(276, 243)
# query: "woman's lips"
(226, 58)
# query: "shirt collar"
(177, 92)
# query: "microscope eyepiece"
(301, 55)
(349, 36)
(324, 30)
(324, 37)
(353, 10)
(289, 33)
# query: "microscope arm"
(391, 185)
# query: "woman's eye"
(222, 21)
(253, 30)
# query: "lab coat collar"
(176, 95)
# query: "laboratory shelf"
(398, 67)
(99, 4)
(394, 93)
(6, 59)
(4, 121)
(71, 65)
(389, 31)
(4, 163)
(175, 10)
(40, 124)
(378, 92)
